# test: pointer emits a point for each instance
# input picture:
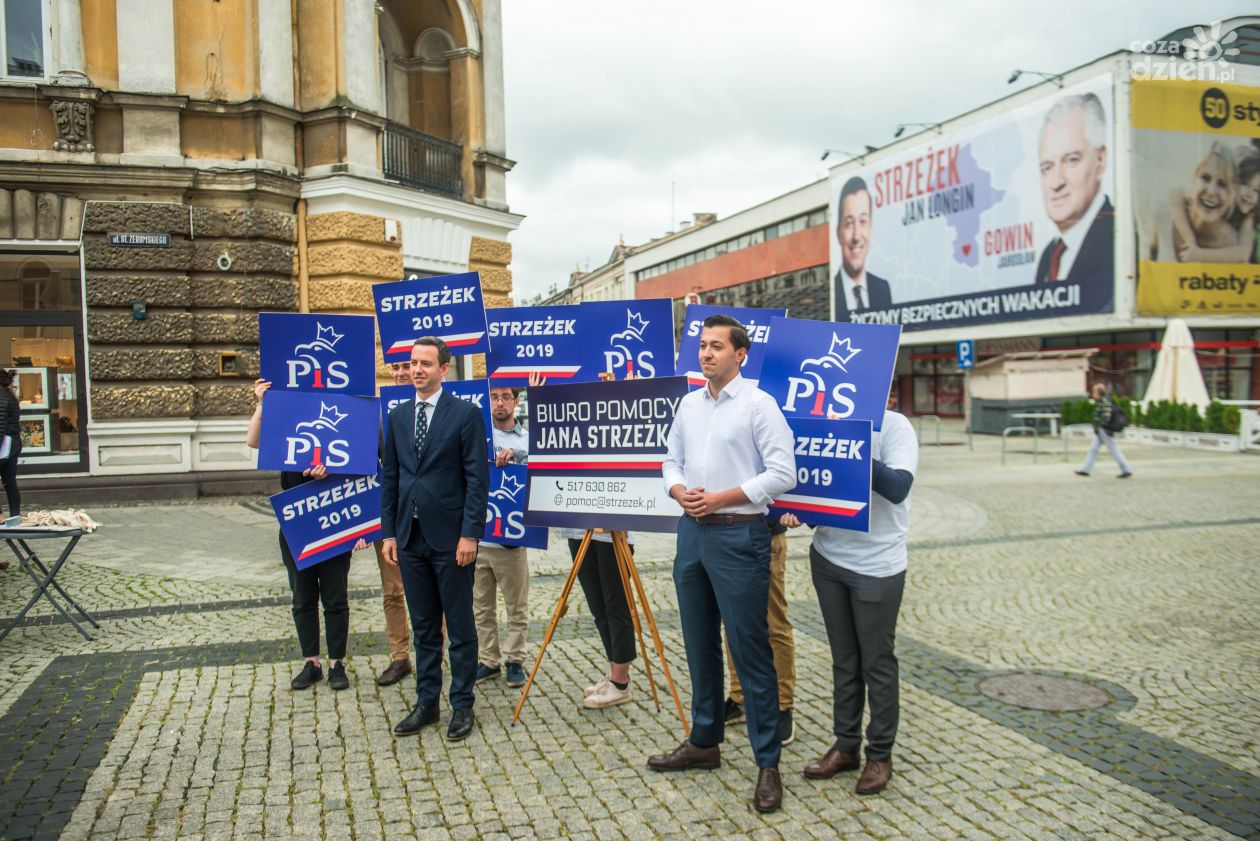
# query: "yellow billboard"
(1196, 185)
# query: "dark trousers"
(722, 574)
(601, 582)
(436, 587)
(325, 583)
(8, 475)
(860, 612)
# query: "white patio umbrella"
(1177, 375)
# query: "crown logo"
(326, 335)
(508, 488)
(326, 338)
(837, 356)
(329, 418)
(635, 325)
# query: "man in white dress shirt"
(730, 454)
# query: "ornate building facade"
(169, 168)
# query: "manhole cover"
(1043, 692)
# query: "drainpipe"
(304, 278)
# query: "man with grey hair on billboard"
(1072, 158)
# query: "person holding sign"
(325, 582)
(859, 577)
(397, 624)
(434, 489)
(503, 568)
(729, 454)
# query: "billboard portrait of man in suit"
(856, 288)
(1072, 157)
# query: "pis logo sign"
(822, 389)
(849, 379)
(304, 363)
(503, 509)
(317, 437)
(627, 348)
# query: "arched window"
(394, 85)
(433, 84)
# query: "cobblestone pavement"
(176, 721)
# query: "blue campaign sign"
(833, 474)
(828, 369)
(449, 307)
(505, 509)
(966, 354)
(391, 396)
(628, 337)
(476, 392)
(301, 430)
(524, 340)
(322, 353)
(323, 519)
(473, 391)
(595, 454)
(755, 321)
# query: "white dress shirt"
(738, 440)
(429, 406)
(1074, 238)
(880, 552)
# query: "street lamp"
(901, 127)
(1049, 77)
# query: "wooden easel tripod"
(632, 584)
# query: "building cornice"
(407, 200)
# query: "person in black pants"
(325, 582)
(606, 597)
(9, 413)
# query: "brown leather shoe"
(394, 672)
(831, 763)
(685, 757)
(875, 776)
(768, 795)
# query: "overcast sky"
(734, 101)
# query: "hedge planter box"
(1213, 441)
(1209, 441)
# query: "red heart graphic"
(967, 249)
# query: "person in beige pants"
(397, 622)
(503, 568)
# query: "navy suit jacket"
(1096, 258)
(447, 488)
(876, 287)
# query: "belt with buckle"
(727, 519)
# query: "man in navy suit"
(856, 288)
(433, 511)
(1072, 159)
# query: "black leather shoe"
(419, 718)
(337, 678)
(461, 725)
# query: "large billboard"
(1008, 219)
(1196, 180)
